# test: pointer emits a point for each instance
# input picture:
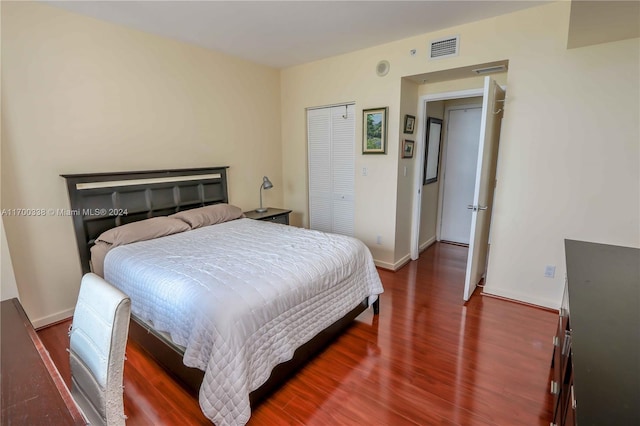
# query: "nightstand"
(271, 215)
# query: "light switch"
(550, 271)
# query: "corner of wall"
(9, 288)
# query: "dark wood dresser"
(564, 403)
(33, 392)
(596, 364)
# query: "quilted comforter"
(241, 296)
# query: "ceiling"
(286, 33)
(594, 22)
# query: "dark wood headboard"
(101, 201)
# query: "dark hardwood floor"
(428, 359)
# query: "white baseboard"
(426, 244)
(403, 261)
(521, 297)
(406, 258)
(393, 266)
(50, 319)
(383, 265)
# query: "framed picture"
(409, 123)
(432, 151)
(407, 148)
(374, 131)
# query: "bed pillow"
(98, 252)
(143, 230)
(209, 215)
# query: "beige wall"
(81, 95)
(429, 194)
(568, 164)
(8, 286)
(568, 167)
(339, 80)
(407, 167)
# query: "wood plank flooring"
(427, 359)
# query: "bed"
(259, 298)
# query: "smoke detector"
(382, 68)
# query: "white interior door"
(461, 158)
(493, 101)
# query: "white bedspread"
(241, 296)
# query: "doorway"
(426, 218)
(481, 204)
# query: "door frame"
(417, 177)
(443, 167)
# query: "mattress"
(241, 296)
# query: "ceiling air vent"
(490, 70)
(444, 47)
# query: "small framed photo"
(374, 131)
(407, 148)
(409, 123)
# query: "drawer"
(283, 218)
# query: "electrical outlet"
(379, 239)
(412, 52)
(550, 271)
(364, 171)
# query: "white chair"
(98, 339)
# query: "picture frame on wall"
(374, 131)
(432, 150)
(407, 148)
(409, 123)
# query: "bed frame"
(101, 201)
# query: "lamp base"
(261, 210)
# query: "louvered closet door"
(331, 136)
(319, 139)
(343, 168)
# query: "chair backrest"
(98, 340)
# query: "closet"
(331, 149)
